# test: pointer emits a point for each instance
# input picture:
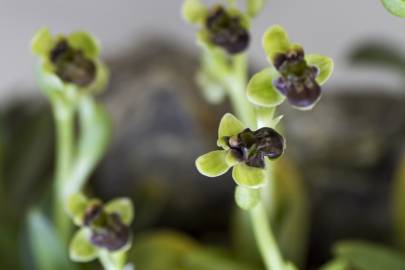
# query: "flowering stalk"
(250, 145)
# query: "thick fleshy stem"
(64, 122)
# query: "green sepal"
(324, 65)
(230, 159)
(194, 11)
(247, 176)
(76, 207)
(230, 126)
(275, 41)
(247, 198)
(85, 42)
(42, 42)
(123, 207)
(395, 7)
(81, 249)
(261, 90)
(213, 164)
(254, 7)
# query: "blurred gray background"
(322, 26)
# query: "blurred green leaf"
(337, 264)
(48, 251)
(368, 256)
(379, 54)
(395, 7)
(398, 204)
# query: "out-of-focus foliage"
(395, 7)
(365, 256)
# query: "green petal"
(213, 163)
(229, 126)
(275, 40)
(123, 207)
(101, 80)
(81, 249)
(261, 90)
(85, 42)
(247, 198)
(194, 11)
(42, 42)
(324, 65)
(395, 7)
(76, 207)
(247, 176)
(254, 7)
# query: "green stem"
(64, 121)
(265, 240)
(111, 262)
(254, 117)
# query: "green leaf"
(194, 11)
(275, 41)
(261, 90)
(81, 249)
(337, 264)
(85, 42)
(123, 207)
(247, 198)
(370, 256)
(213, 164)
(230, 126)
(395, 7)
(76, 207)
(42, 42)
(247, 176)
(49, 252)
(324, 65)
(254, 7)
(398, 203)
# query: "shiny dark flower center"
(252, 147)
(227, 31)
(107, 229)
(71, 65)
(297, 79)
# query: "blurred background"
(336, 181)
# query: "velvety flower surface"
(293, 74)
(245, 150)
(226, 30)
(102, 226)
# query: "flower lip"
(252, 147)
(297, 79)
(71, 65)
(227, 31)
(107, 229)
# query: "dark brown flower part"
(227, 31)
(71, 65)
(107, 229)
(252, 147)
(297, 79)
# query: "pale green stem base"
(265, 240)
(64, 121)
(112, 261)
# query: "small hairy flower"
(244, 150)
(297, 79)
(252, 147)
(71, 65)
(107, 229)
(226, 30)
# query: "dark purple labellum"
(252, 147)
(226, 31)
(107, 229)
(72, 65)
(297, 80)
(114, 236)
